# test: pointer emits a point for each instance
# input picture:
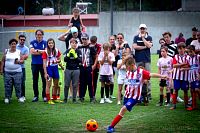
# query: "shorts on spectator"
(163, 83)
(195, 85)
(122, 81)
(106, 78)
(181, 84)
(52, 71)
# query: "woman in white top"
(12, 71)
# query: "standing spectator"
(65, 37)
(122, 45)
(172, 51)
(162, 43)
(114, 65)
(12, 70)
(51, 58)
(87, 57)
(37, 47)
(24, 53)
(165, 68)
(196, 43)
(180, 38)
(106, 58)
(142, 44)
(96, 66)
(72, 71)
(180, 75)
(76, 21)
(194, 32)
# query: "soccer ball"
(91, 125)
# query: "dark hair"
(181, 45)
(13, 40)
(93, 39)
(22, 36)
(121, 34)
(73, 40)
(180, 35)
(40, 31)
(164, 47)
(194, 29)
(53, 49)
(191, 47)
(167, 33)
(161, 39)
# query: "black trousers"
(23, 82)
(95, 75)
(86, 81)
(36, 69)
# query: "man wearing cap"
(88, 58)
(67, 36)
(194, 32)
(142, 44)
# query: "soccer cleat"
(57, 101)
(180, 100)
(118, 103)
(21, 100)
(107, 100)
(102, 100)
(112, 97)
(51, 102)
(110, 129)
(65, 100)
(35, 99)
(189, 108)
(6, 101)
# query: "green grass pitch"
(69, 118)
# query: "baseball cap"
(143, 26)
(84, 35)
(73, 30)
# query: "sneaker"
(70, 97)
(21, 100)
(57, 101)
(58, 97)
(118, 103)
(107, 100)
(159, 104)
(35, 99)
(189, 108)
(6, 101)
(92, 100)
(110, 129)
(45, 99)
(102, 100)
(167, 104)
(65, 100)
(51, 102)
(112, 97)
(180, 100)
(173, 107)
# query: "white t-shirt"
(122, 70)
(196, 43)
(106, 69)
(165, 65)
(10, 65)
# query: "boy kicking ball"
(136, 77)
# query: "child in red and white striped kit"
(180, 75)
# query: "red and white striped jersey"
(177, 74)
(135, 82)
(194, 67)
(51, 60)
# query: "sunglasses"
(119, 38)
(84, 38)
(142, 28)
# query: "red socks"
(48, 97)
(174, 97)
(116, 120)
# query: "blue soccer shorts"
(129, 103)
